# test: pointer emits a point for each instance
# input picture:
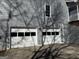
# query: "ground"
(70, 52)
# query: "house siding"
(35, 16)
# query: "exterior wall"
(1, 44)
(34, 14)
(74, 34)
(35, 9)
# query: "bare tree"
(5, 26)
(36, 17)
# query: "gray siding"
(32, 14)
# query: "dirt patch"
(71, 52)
(2, 52)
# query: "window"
(72, 6)
(48, 10)
(44, 33)
(0, 37)
(55, 33)
(13, 34)
(48, 33)
(33, 34)
(27, 33)
(20, 33)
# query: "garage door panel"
(24, 37)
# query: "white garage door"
(52, 36)
(23, 37)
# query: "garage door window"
(20, 33)
(13, 34)
(44, 33)
(30, 34)
(55, 33)
(27, 33)
(50, 33)
(33, 34)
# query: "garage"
(26, 37)
(23, 37)
(51, 36)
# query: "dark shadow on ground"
(51, 52)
